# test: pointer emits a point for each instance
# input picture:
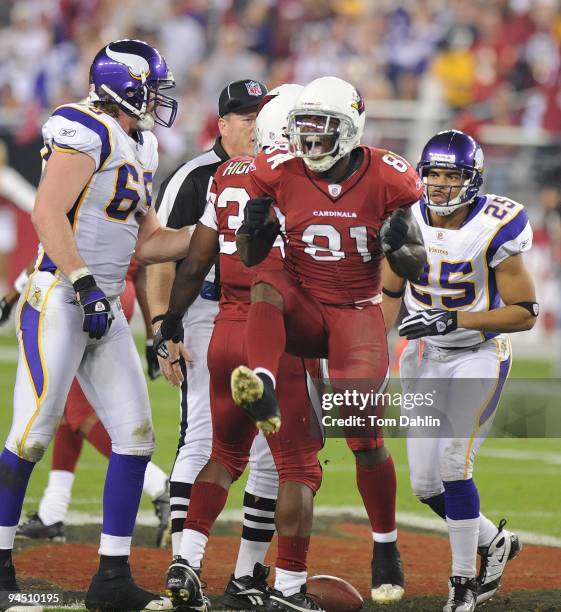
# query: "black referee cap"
(240, 96)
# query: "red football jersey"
(331, 229)
(231, 189)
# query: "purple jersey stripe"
(74, 114)
(507, 232)
(29, 325)
(47, 264)
(494, 401)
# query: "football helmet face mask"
(132, 74)
(272, 116)
(326, 123)
(452, 150)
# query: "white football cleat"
(462, 594)
(503, 547)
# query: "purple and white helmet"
(132, 73)
(453, 150)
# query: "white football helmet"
(327, 122)
(271, 122)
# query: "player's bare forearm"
(141, 290)
(160, 280)
(507, 319)
(193, 269)
(253, 249)
(49, 216)
(157, 244)
(56, 236)
(516, 287)
(393, 288)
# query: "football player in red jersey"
(341, 207)
(295, 447)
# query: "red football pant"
(295, 446)
(353, 338)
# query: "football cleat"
(278, 602)
(387, 573)
(504, 547)
(247, 592)
(184, 587)
(163, 514)
(462, 594)
(115, 589)
(35, 528)
(256, 395)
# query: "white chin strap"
(145, 120)
(321, 164)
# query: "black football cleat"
(387, 573)
(462, 594)
(163, 514)
(277, 602)
(256, 395)
(247, 592)
(184, 587)
(504, 547)
(37, 530)
(114, 589)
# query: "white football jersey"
(460, 271)
(105, 216)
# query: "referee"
(181, 202)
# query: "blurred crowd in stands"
(503, 56)
(483, 62)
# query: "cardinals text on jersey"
(331, 229)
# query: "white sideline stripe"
(405, 519)
(521, 455)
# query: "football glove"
(95, 306)
(152, 360)
(256, 214)
(170, 329)
(5, 310)
(393, 232)
(431, 322)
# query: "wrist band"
(393, 294)
(78, 274)
(157, 318)
(532, 307)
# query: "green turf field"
(517, 478)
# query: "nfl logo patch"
(334, 190)
(253, 88)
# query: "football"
(334, 594)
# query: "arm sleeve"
(512, 238)
(71, 129)
(177, 204)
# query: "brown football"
(334, 594)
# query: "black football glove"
(431, 322)
(5, 310)
(393, 232)
(170, 329)
(152, 360)
(95, 305)
(256, 214)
